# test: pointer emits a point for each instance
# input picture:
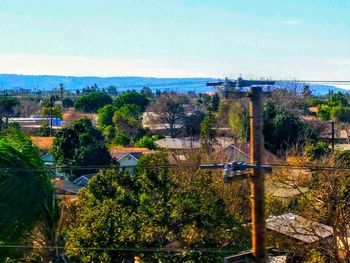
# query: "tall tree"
(208, 132)
(238, 119)
(169, 111)
(91, 102)
(132, 97)
(282, 129)
(105, 115)
(80, 145)
(25, 188)
(7, 107)
(215, 102)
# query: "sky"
(298, 39)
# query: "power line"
(104, 167)
(151, 249)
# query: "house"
(127, 157)
(178, 144)
(72, 115)
(303, 232)
(241, 152)
(83, 180)
(45, 145)
(66, 189)
(285, 192)
(32, 124)
(273, 255)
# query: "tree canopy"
(7, 107)
(80, 144)
(91, 102)
(132, 97)
(25, 186)
(282, 129)
(149, 209)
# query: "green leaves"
(92, 102)
(25, 187)
(80, 144)
(149, 209)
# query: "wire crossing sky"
(275, 39)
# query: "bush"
(340, 114)
(122, 139)
(146, 142)
(316, 150)
(324, 112)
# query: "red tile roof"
(43, 143)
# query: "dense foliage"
(139, 99)
(208, 132)
(91, 102)
(146, 142)
(7, 107)
(25, 188)
(335, 108)
(150, 209)
(80, 145)
(282, 129)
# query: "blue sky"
(277, 39)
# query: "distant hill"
(324, 89)
(47, 83)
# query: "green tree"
(127, 124)
(105, 115)
(316, 150)
(132, 97)
(150, 209)
(67, 103)
(44, 129)
(7, 107)
(282, 129)
(338, 98)
(340, 113)
(238, 119)
(80, 144)
(204, 101)
(56, 111)
(25, 189)
(146, 142)
(131, 111)
(215, 102)
(91, 102)
(208, 132)
(122, 139)
(324, 111)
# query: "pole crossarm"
(236, 171)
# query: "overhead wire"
(104, 167)
(134, 249)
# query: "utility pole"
(61, 90)
(332, 123)
(51, 113)
(257, 185)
